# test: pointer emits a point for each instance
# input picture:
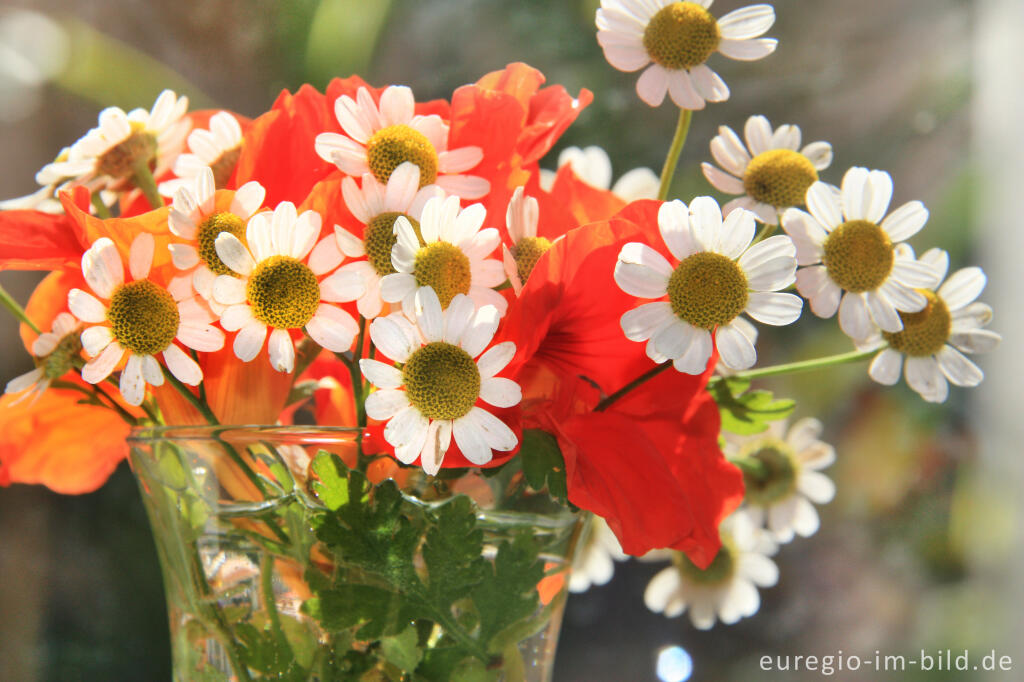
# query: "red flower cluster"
(648, 461)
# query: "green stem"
(764, 233)
(102, 210)
(802, 366)
(672, 160)
(269, 602)
(649, 374)
(214, 618)
(200, 405)
(15, 309)
(143, 179)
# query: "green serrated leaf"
(747, 412)
(403, 650)
(264, 651)
(508, 593)
(543, 464)
(452, 551)
(333, 482)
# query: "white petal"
(640, 323)
(721, 180)
(856, 193)
(818, 487)
(747, 22)
(881, 194)
(770, 264)
(883, 312)
(653, 85)
(854, 318)
(706, 223)
(380, 374)
(102, 267)
(390, 339)
(674, 226)
(774, 308)
(682, 90)
(325, 256)
(465, 186)
(140, 255)
(249, 340)
(736, 350)
(100, 367)
(182, 366)
(386, 403)
(747, 50)
(457, 317)
(235, 317)
(975, 340)
(233, 253)
(886, 366)
(248, 199)
(824, 295)
(962, 287)
(342, 286)
(459, 160)
(439, 438)
(695, 359)
(924, 376)
(228, 290)
(428, 314)
(282, 351)
(626, 57)
(823, 204)
(495, 359)
(184, 256)
(333, 328)
(758, 133)
(957, 368)
(86, 307)
(819, 154)
(805, 520)
(480, 331)
(674, 339)
(807, 235)
(905, 221)
(205, 338)
(497, 434)
(707, 83)
(914, 274)
(738, 232)
(132, 383)
(95, 339)
(641, 271)
(500, 392)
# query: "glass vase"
(288, 554)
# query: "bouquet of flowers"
(371, 362)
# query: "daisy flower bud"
(277, 283)
(930, 348)
(848, 245)
(718, 276)
(429, 395)
(727, 589)
(784, 481)
(771, 171)
(679, 37)
(54, 353)
(139, 319)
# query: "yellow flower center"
(144, 317)
(61, 360)
(206, 239)
(441, 381)
(120, 160)
(390, 147)
(779, 177)
(444, 268)
(924, 332)
(527, 252)
(681, 36)
(224, 166)
(774, 472)
(720, 570)
(707, 290)
(283, 292)
(379, 238)
(858, 255)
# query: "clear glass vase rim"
(303, 434)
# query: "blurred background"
(922, 547)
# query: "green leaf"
(267, 653)
(508, 593)
(744, 411)
(332, 484)
(403, 650)
(543, 464)
(452, 551)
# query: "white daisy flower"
(784, 477)
(54, 353)
(195, 218)
(140, 319)
(727, 589)
(110, 152)
(377, 206)
(521, 220)
(217, 149)
(851, 254)
(449, 255)
(772, 171)
(592, 166)
(379, 138)
(719, 275)
(678, 37)
(278, 283)
(430, 395)
(934, 339)
(596, 554)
